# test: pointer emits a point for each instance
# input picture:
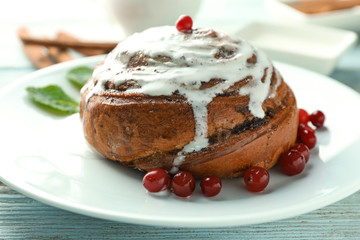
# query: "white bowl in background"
(347, 18)
(137, 15)
(313, 47)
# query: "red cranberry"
(211, 186)
(302, 126)
(317, 118)
(307, 136)
(292, 162)
(303, 149)
(184, 23)
(256, 179)
(156, 180)
(183, 184)
(303, 116)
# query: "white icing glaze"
(193, 62)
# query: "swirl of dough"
(198, 65)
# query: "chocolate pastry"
(198, 101)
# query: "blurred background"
(95, 19)
(112, 20)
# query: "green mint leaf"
(79, 75)
(54, 99)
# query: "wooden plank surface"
(25, 218)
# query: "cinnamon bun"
(199, 101)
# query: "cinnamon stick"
(59, 54)
(64, 36)
(107, 47)
(34, 52)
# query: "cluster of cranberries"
(293, 161)
(182, 183)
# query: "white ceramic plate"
(45, 157)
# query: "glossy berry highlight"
(303, 149)
(317, 118)
(303, 116)
(292, 162)
(210, 186)
(156, 180)
(256, 179)
(184, 23)
(307, 136)
(183, 184)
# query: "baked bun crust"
(147, 131)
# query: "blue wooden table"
(24, 218)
